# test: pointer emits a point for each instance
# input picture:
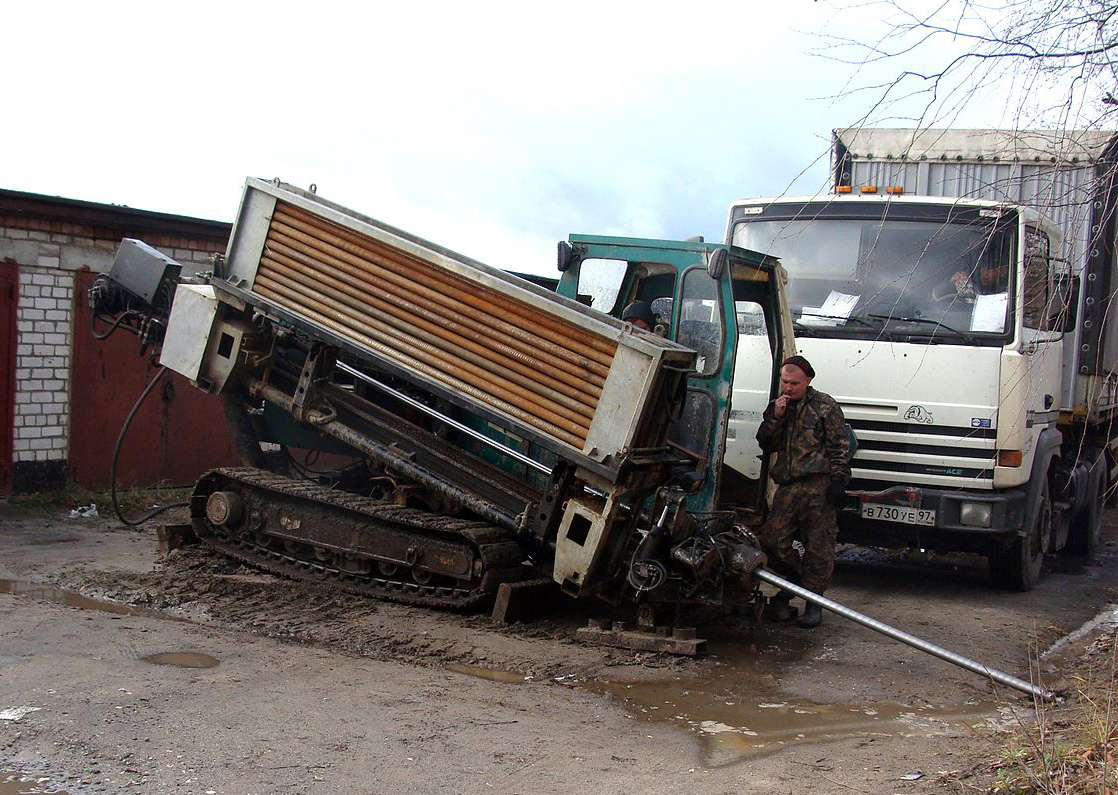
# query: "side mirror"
(566, 256)
(716, 264)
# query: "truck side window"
(601, 279)
(1036, 289)
(700, 319)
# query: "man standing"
(805, 431)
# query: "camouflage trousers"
(800, 512)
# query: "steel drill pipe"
(410, 339)
(545, 328)
(342, 236)
(582, 385)
(438, 364)
(453, 313)
(361, 300)
(391, 459)
(468, 300)
(284, 296)
(904, 637)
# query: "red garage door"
(177, 434)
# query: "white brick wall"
(45, 326)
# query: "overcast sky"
(494, 129)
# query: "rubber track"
(501, 557)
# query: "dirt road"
(308, 691)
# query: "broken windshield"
(858, 277)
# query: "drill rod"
(904, 637)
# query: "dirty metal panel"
(9, 298)
(177, 434)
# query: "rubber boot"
(778, 608)
(812, 617)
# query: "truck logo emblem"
(980, 422)
(919, 414)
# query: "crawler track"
(301, 530)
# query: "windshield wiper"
(852, 318)
(926, 321)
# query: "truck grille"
(499, 350)
(934, 455)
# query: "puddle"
(506, 677)
(15, 783)
(732, 725)
(181, 659)
(49, 593)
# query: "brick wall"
(49, 239)
(43, 346)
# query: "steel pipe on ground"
(904, 637)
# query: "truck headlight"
(976, 514)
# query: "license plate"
(898, 513)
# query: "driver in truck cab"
(805, 431)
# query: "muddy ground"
(309, 691)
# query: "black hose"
(93, 325)
(116, 455)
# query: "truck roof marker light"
(869, 189)
(1009, 458)
(895, 190)
(843, 189)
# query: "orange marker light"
(1009, 458)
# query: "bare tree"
(1051, 62)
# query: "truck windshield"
(946, 281)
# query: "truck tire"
(1083, 536)
(1017, 567)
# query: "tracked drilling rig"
(499, 430)
(495, 431)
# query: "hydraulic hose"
(116, 456)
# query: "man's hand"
(836, 492)
(779, 406)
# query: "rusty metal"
(618, 635)
(467, 301)
(558, 331)
(394, 460)
(337, 321)
(396, 290)
(549, 371)
(411, 334)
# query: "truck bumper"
(1007, 517)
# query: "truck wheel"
(1017, 567)
(1083, 536)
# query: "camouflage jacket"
(810, 439)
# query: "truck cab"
(938, 324)
(701, 294)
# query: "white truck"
(953, 295)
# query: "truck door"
(704, 320)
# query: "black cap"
(639, 310)
(802, 363)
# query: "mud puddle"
(181, 659)
(733, 725)
(490, 674)
(15, 783)
(49, 593)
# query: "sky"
(494, 129)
